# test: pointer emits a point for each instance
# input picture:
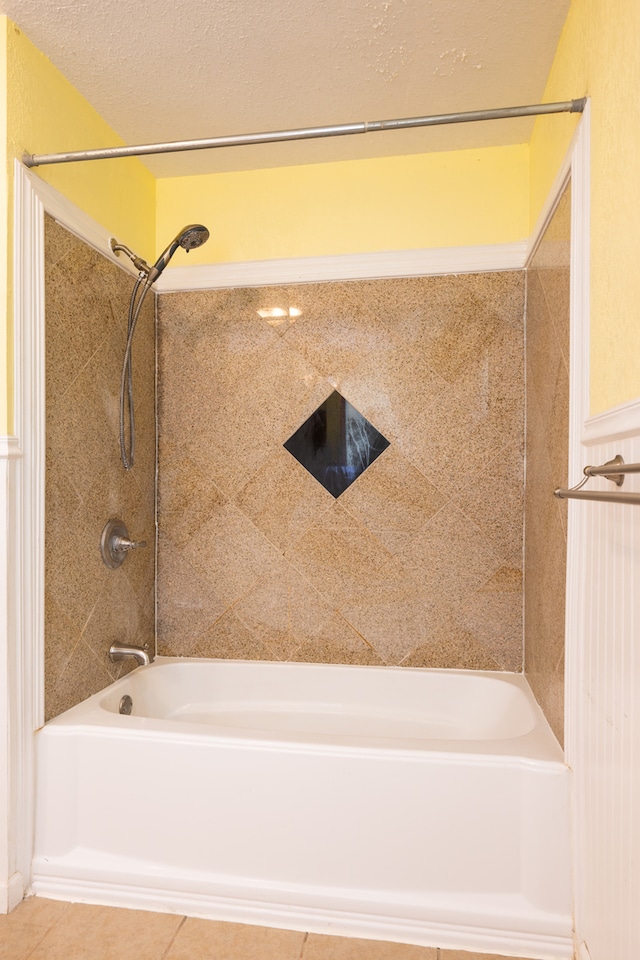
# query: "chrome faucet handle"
(115, 543)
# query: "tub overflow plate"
(126, 705)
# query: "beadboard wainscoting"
(603, 709)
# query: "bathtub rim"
(90, 717)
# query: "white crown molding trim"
(359, 266)
(74, 219)
(256, 273)
(618, 423)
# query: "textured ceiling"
(161, 70)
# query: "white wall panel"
(604, 700)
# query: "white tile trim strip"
(73, 218)
(365, 266)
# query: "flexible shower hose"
(126, 381)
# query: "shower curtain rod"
(308, 133)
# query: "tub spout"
(123, 651)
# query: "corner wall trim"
(358, 266)
(25, 456)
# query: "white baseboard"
(374, 925)
(11, 893)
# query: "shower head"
(193, 236)
(190, 237)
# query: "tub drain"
(126, 705)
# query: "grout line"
(304, 944)
(44, 936)
(46, 932)
(173, 938)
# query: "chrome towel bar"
(613, 470)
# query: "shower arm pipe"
(308, 133)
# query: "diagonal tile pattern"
(420, 560)
(422, 563)
(87, 606)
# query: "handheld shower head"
(193, 236)
(190, 237)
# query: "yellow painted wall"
(45, 113)
(446, 199)
(6, 345)
(599, 55)
(394, 203)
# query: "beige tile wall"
(547, 457)
(87, 606)
(420, 561)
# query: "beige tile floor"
(41, 929)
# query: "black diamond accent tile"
(336, 444)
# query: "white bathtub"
(424, 806)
